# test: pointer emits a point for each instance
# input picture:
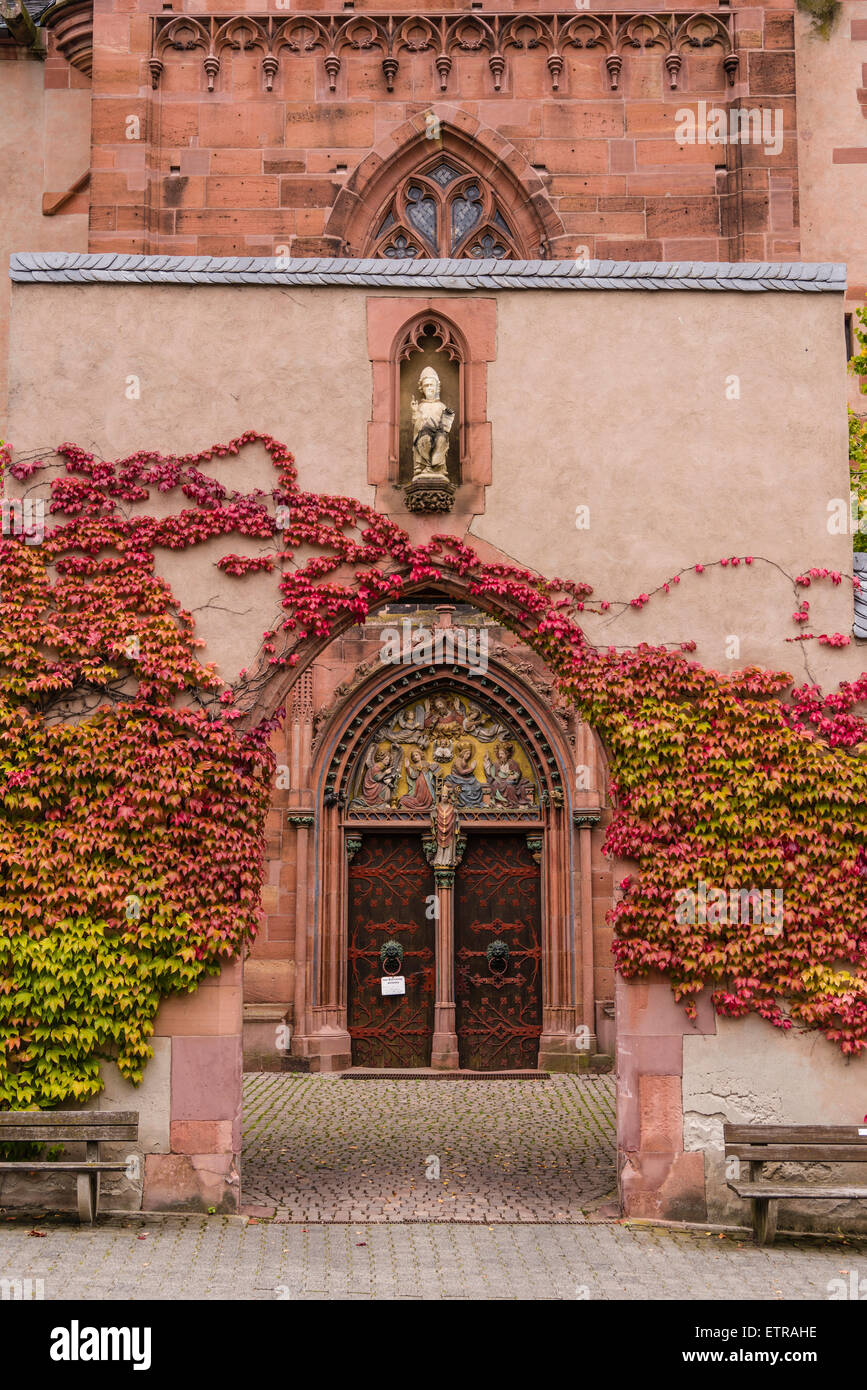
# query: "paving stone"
(320, 1149)
(374, 1128)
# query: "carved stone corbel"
(429, 845)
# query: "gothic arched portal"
(446, 852)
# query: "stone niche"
(428, 350)
(456, 337)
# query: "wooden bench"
(90, 1127)
(760, 1144)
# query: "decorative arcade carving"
(443, 35)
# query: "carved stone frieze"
(534, 675)
(499, 36)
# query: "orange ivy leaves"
(113, 798)
(106, 825)
(733, 808)
(133, 802)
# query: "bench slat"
(795, 1192)
(77, 1134)
(49, 1118)
(61, 1167)
(799, 1153)
(795, 1134)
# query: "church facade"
(564, 285)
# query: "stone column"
(551, 850)
(329, 1046)
(585, 822)
(301, 824)
(444, 1054)
(300, 818)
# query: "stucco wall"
(830, 118)
(680, 1081)
(44, 148)
(750, 1073)
(673, 471)
(832, 149)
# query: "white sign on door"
(393, 984)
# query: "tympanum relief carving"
(445, 747)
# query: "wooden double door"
(495, 944)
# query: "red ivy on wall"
(126, 765)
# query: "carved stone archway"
(558, 825)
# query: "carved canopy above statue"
(443, 740)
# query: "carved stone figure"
(445, 826)
(511, 787)
(468, 789)
(432, 420)
(431, 489)
(381, 770)
(445, 714)
(421, 782)
(481, 726)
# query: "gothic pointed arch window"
(444, 209)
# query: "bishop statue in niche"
(431, 489)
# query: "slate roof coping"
(30, 267)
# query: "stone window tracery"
(445, 210)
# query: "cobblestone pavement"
(227, 1258)
(320, 1148)
(509, 1151)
